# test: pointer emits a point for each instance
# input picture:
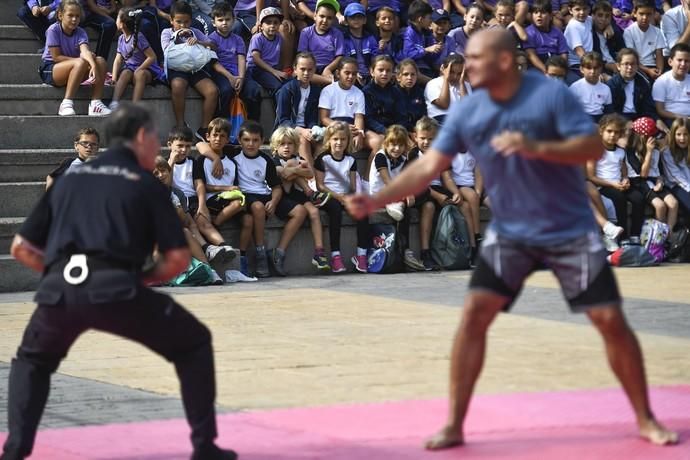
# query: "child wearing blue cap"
(359, 44)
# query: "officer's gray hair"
(126, 121)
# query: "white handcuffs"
(76, 261)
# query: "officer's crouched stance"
(90, 235)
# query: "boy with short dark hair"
(263, 61)
(557, 67)
(418, 42)
(607, 37)
(324, 41)
(646, 38)
(594, 95)
(670, 91)
(388, 41)
(544, 40)
(578, 32)
(86, 143)
(259, 182)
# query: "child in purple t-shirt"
(264, 51)
(181, 18)
(135, 61)
(67, 60)
(543, 39)
(97, 16)
(419, 43)
(324, 41)
(230, 71)
(474, 21)
(359, 44)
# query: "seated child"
(633, 102)
(86, 144)
(297, 105)
(197, 244)
(642, 163)
(610, 174)
(505, 18)
(450, 87)
(389, 42)
(676, 162)
(474, 21)
(380, 101)
(432, 198)
(440, 25)
(295, 173)
(185, 179)
(263, 62)
(418, 41)
(578, 34)
(324, 41)
(359, 44)
(410, 95)
(181, 14)
(544, 40)
(646, 38)
(336, 174)
(388, 163)
(67, 60)
(594, 95)
(557, 67)
(607, 38)
(38, 15)
(343, 101)
(374, 6)
(135, 61)
(214, 204)
(671, 91)
(261, 185)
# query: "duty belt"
(76, 268)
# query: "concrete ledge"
(19, 197)
(9, 226)
(16, 277)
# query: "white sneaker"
(610, 244)
(114, 105)
(396, 210)
(612, 231)
(66, 109)
(98, 109)
(217, 280)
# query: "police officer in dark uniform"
(89, 235)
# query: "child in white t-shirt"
(578, 32)
(594, 95)
(451, 86)
(646, 38)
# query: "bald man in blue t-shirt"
(530, 138)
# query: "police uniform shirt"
(111, 208)
(256, 174)
(381, 161)
(183, 177)
(205, 173)
(336, 173)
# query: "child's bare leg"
(209, 91)
(178, 89)
(425, 223)
(141, 79)
(227, 213)
(471, 196)
(246, 231)
(303, 183)
(315, 224)
(466, 213)
(121, 84)
(672, 206)
(194, 246)
(258, 211)
(601, 219)
(207, 229)
(295, 221)
(304, 149)
(374, 141)
(659, 209)
(99, 78)
(70, 74)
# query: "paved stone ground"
(354, 338)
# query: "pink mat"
(565, 425)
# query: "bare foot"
(444, 439)
(658, 434)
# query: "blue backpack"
(385, 254)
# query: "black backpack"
(679, 246)
(385, 253)
(450, 245)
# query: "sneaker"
(278, 262)
(262, 265)
(361, 263)
(114, 105)
(89, 81)
(610, 244)
(109, 79)
(98, 109)
(612, 231)
(412, 262)
(244, 266)
(319, 199)
(216, 280)
(396, 211)
(66, 109)
(337, 265)
(220, 257)
(320, 262)
(428, 261)
(201, 134)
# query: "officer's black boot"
(29, 385)
(214, 453)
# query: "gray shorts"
(580, 266)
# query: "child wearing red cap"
(642, 158)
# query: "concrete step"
(9, 226)
(19, 197)
(30, 165)
(8, 12)
(16, 277)
(18, 39)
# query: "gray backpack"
(450, 245)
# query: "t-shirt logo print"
(257, 173)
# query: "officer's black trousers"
(150, 318)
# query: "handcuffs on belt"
(76, 261)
